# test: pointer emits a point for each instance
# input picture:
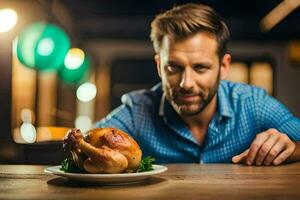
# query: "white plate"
(124, 178)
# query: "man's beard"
(194, 107)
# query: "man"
(194, 116)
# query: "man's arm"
(120, 118)
(277, 144)
(270, 148)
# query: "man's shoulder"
(240, 90)
(143, 97)
(233, 97)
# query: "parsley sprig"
(146, 164)
(68, 165)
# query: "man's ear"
(157, 61)
(225, 65)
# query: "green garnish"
(146, 164)
(68, 165)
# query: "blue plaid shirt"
(242, 112)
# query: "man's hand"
(269, 147)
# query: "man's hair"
(187, 20)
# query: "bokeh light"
(74, 58)
(86, 92)
(28, 132)
(43, 46)
(84, 123)
(27, 115)
(76, 67)
(8, 19)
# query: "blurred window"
(261, 75)
(257, 73)
(238, 72)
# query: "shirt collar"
(161, 111)
(224, 106)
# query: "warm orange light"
(238, 72)
(278, 14)
(51, 133)
(261, 75)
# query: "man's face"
(190, 72)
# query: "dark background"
(131, 19)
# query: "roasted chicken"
(103, 150)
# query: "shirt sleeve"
(120, 118)
(273, 114)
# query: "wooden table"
(184, 181)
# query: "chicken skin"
(103, 150)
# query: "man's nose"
(187, 80)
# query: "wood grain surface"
(181, 181)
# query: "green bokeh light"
(75, 75)
(43, 46)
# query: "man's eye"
(200, 69)
(173, 68)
